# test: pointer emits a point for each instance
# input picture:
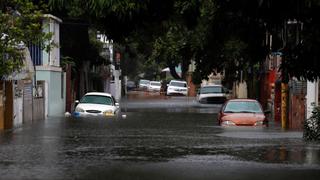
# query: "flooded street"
(160, 138)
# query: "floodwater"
(160, 138)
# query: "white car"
(143, 84)
(154, 86)
(212, 94)
(96, 104)
(176, 87)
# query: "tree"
(131, 24)
(218, 35)
(20, 23)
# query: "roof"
(98, 94)
(50, 16)
(167, 69)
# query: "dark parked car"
(131, 85)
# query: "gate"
(27, 102)
(38, 102)
(297, 104)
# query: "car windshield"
(96, 99)
(211, 89)
(144, 82)
(155, 84)
(178, 84)
(243, 107)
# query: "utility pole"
(117, 74)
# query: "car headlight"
(228, 123)
(78, 109)
(108, 113)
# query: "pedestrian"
(164, 87)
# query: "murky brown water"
(173, 138)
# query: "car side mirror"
(117, 104)
(76, 102)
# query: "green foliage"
(170, 47)
(132, 63)
(218, 35)
(20, 23)
(66, 60)
(98, 8)
(311, 131)
(218, 40)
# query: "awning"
(178, 69)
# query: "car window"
(243, 106)
(155, 83)
(96, 99)
(211, 89)
(178, 84)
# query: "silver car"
(143, 84)
(212, 94)
(154, 86)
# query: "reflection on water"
(276, 154)
(282, 154)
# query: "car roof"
(242, 99)
(98, 94)
(178, 81)
(155, 81)
(212, 85)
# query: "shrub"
(311, 127)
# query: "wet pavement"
(160, 138)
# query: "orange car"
(242, 112)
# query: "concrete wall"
(51, 25)
(240, 90)
(56, 89)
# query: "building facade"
(50, 79)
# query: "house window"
(36, 53)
